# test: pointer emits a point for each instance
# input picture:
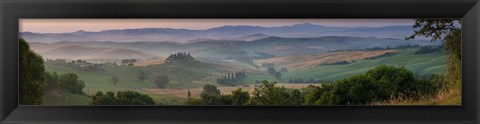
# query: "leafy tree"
(232, 79)
(114, 80)
(277, 75)
(312, 94)
(449, 31)
(296, 97)
(121, 98)
(211, 95)
(240, 97)
(70, 82)
(271, 70)
(210, 90)
(52, 79)
(269, 94)
(378, 84)
(398, 76)
(161, 81)
(32, 76)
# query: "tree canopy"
(449, 31)
(32, 76)
(121, 98)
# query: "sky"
(95, 25)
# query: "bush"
(269, 94)
(240, 97)
(211, 95)
(161, 81)
(121, 98)
(70, 82)
(194, 101)
(378, 84)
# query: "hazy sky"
(72, 25)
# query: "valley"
(191, 75)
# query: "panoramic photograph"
(240, 62)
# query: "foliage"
(378, 84)
(32, 76)
(449, 31)
(193, 101)
(114, 80)
(121, 98)
(178, 57)
(79, 64)
(52, 79)
(240, 97)
(269, 94)
(128, 61)
(271, 70)
(296, 97)
(161, 81)
(312, 94)
(232, 79)
(211, 95)
(70, 82)
(299, 80)
(427, 49)
(274, 72)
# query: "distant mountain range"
(237, 33)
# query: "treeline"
(299, 80)
(68, 81)
(427, 49)
(344, 62)
(121, 98)
(273, 72)
(128, 62)
(379, 84)
(232, 79)
(178, 56)
(79, 64)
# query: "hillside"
(256, 49)
(118, 54)
(300, 62)
(62, 51)
(419, 64)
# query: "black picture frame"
(13, 10)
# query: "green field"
(433, 63)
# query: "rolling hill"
(431, 63)
(230, 49)
(223, 32)
(72, 52)
(300, 62)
